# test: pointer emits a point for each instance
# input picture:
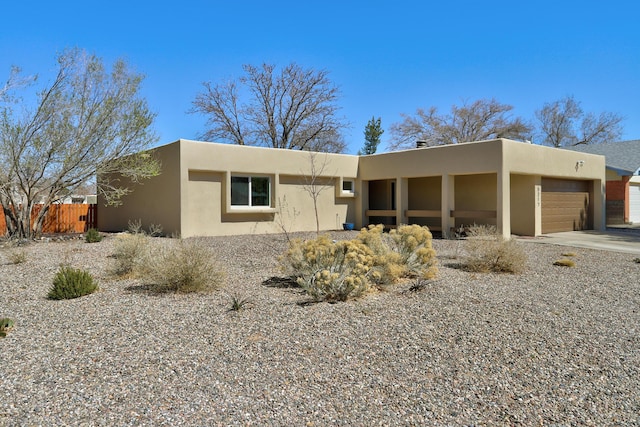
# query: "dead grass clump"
(489, 251)
(17, 256)
(129, 253)
(185, 266)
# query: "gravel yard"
(552, 346)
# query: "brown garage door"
(565, 205)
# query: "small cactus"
(5, 326)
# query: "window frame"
(251, 206)
(340, 190)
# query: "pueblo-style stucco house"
(208, 189)
(623, 179)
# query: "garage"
(565, 205)
(634, 203)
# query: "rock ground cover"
(550, 346)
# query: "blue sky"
(387, 57)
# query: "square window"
(347, 186)
(251, 191)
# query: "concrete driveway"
(619, 240)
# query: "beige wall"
(206, 169)
(526, 193)
(153, 201)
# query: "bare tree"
(563, 123)
(295, 109)
(480, 120)
(88, 122)
(316, 181)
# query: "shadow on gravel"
(280, 282)
(456, 265)
(146, 289)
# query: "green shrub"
(71, 283)
(637, 260)
(186, 266)
(5, 326)
(564, 263)
(92, 236)
(489, 251)
(17, 256)
(129, 252)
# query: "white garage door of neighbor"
(634, 203)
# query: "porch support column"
(538, 206)
(503, 210)
(448, 197)
(362, 189)
(402, 200)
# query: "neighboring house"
(209, 189)
(79, 199)
(623, 179)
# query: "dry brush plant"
(564, 262)
(129, 252)
(17, 256)
(489, 251)
(5, 326)
(184, 266)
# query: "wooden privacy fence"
(67, 218)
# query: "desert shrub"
(404, 252)
(413, 245)
(337, 271)
(489, 251)
(155, 230)
(187, 266)
(92, 236)
(135, 226)
(636, 260)
(568, 254)
(129, 253)
(71, 283)
(330, 271)
(564, 263)
(5, 326)
(17, 256)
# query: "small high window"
(348, 186)
(250, 191)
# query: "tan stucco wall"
(526, 205)
(153, 201)
(206, 168)
(475, 192)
